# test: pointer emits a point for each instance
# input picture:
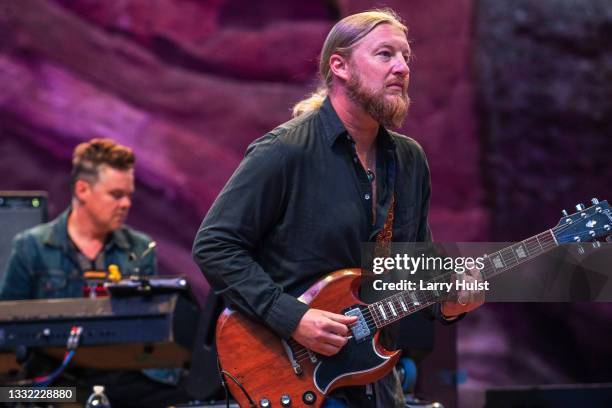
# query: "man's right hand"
(323, 332)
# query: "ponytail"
(312, 103)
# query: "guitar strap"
(383, 249)
(385, 236)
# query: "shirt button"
(367, 196)
(355, 159)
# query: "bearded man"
(311, 191)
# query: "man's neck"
(84, 233)
(360, 125)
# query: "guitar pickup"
(360, 328)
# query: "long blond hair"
(340, 40)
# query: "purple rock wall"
(542, 71)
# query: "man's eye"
(117, 195)
(385, 54)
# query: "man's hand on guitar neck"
(323, 332)
(466, 300)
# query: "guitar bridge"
(360, 329)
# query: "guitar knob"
(580, 207)
(309, 398)
(596, 244)
(581, 250)
(595, 201)
(264, 403)
(285, 401)
(564, 213)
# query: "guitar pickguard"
(354, 358)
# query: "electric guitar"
(263, 370)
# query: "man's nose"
(401, 67)
(125, 202)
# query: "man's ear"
(339, 66)
(81, 190)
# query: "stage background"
(511, 102)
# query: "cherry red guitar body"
(261, 362)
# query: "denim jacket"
(43, 263)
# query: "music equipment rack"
(133, 332)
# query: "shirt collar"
(334, 128)
(332, 125)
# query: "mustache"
(403, 84)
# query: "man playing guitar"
(309, 192)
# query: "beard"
(388, 110)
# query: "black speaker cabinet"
(19, 210)
(551, 396)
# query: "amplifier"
(19, 210)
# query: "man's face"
(379, 75)
(108, 200)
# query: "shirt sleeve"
(225, 247)
(17, 282)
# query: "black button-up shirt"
(298, 207)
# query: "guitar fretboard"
(402, 304)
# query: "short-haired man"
(49, 260)
(308, 193)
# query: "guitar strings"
(546, 243)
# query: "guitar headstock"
(587, 224)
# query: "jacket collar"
(57, 235)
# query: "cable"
(71, 345)
(226, 388)
(44, 381)
(223, 383)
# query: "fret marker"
(392, 308)
(403, 305)
(520, 252)
(415, 301)
(382, 311)
(498, 262)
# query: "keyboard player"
(50, 260)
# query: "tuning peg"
(580, 207)
(580, 250)
(594, 201)
(596, 244)
(564, 213)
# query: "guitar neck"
(402, 304)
